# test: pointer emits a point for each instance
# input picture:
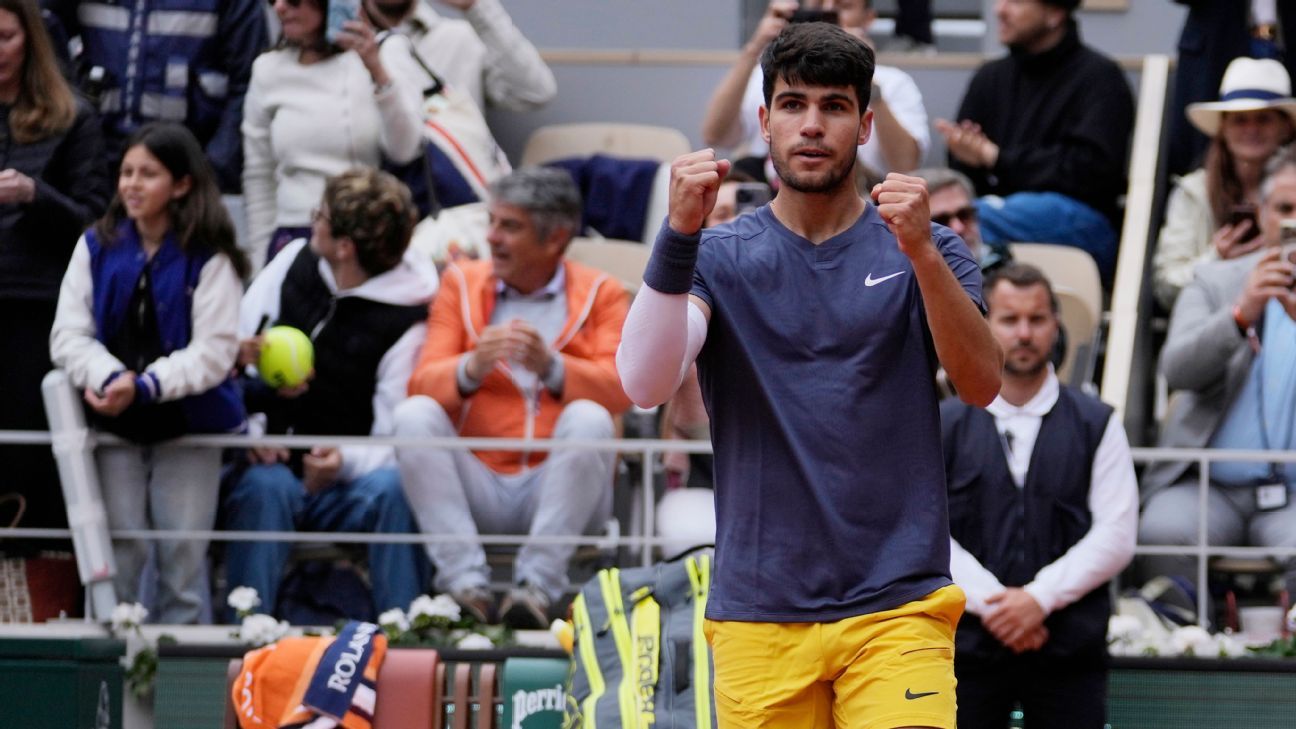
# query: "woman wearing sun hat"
(1255, 115)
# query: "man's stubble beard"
(832, 182)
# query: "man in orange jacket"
(520, 346)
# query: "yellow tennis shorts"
(876, 671)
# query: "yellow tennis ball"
(287, 357)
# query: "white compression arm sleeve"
(662, 336)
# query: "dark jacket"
(72, 189)
(351, 335)
(1062, 120)
(1015, 532)
(174, 276)
(187, 61)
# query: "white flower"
(244, 600)
(128, 615)
(441, 606)
(1291, 620)
(1230, 647)
(260, 629)
(1193, 640)
(395, 620)
(1123, 629)
(474, 641)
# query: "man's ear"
(1057, 17)
(763, 115)
(345, 248)
(558, 240)
(866, 126)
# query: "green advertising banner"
(534, 691)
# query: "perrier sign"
(534, 691)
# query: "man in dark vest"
(1043, 512)
(363, 302)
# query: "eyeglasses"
(966, 216)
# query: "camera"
(1287, 239)
(813, 16)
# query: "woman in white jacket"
(1206, 216)
(315, 108)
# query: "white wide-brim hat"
(1249, 84)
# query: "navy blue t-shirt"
(818, 374)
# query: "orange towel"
(279, 685)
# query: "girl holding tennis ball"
(146, 326)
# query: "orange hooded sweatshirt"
(596, 310)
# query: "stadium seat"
(621, 258)
(558, 141)
(1075, 280)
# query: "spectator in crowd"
(369, 92)
(1043, 512)
(1045, 130)
(899, 136)
(364, 301)
(1214, 33)
(51, 188)
(518, 346)
(952, 199)
(913, 26)
(1211, 214)
(188, 62)
(146, 326)
(483, 55)
(1230, 362)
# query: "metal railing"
(643, 524)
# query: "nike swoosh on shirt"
(870, 281)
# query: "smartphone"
(1239, 213)
(813, 16)
(339, 13)
(1287, 239)
(750, 195)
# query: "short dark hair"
(374, 210)
(1021, 275)
(819, 54)
(548, 194)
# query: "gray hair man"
(520, 346)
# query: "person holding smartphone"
(1230, 362)
(1211, 214)
(316, 108)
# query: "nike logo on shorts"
(909, 694)
(870, 281)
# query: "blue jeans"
(1049, 217)
(271, 498)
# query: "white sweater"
(305, 123)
